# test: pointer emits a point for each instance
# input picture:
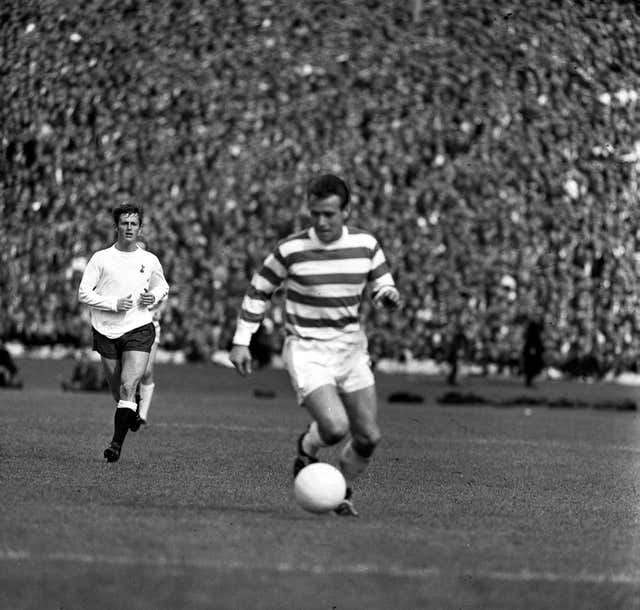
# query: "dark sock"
(365, 451)
(121, 422)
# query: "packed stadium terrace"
(494, 150)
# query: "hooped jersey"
(323, 285)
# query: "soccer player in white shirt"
(325, 270)
(120, 284)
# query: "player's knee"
(334, 431)
(365, 443)
(128, 390)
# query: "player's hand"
(240, 356)
(388, 298)
(146, 299)
(124, 303)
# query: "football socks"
(352, 463)
(125, 414)
(312, 441)
(146, 393)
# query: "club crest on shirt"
(141, 268)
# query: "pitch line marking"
(358, 569)
(423, 439)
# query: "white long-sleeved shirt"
(112, 274)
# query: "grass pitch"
(467, 506)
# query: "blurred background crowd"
(492, 147)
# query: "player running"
(120, 284)
(325, 270)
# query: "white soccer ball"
(319, 487)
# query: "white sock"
(126, 404)
(312, 440)
(352, 464)
(146, 393)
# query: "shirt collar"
(314, 237)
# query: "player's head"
(128, 221)
(326, 185)
(328, 198)
(125, 209)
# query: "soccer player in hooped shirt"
(325, 270)
(120, 285)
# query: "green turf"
(463, 507)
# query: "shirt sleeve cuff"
(158, 294)
(242, 336)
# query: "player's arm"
(254, 306)
(387, 297)
(384, 291)
(87, 294)
(240, 357)
(158, 286)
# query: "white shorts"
(312, 364)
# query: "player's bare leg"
(361, 407)
(112, 373)
(147, 386)
(134, 364)
(328, 411)
(132, 368)
(329, 424)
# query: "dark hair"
(126, 208)
(326, 185)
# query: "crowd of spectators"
(492, 147)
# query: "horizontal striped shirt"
(323, 284)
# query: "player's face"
(128, 229)
(327, 217)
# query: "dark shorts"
(137, 340)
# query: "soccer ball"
(319, 487)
